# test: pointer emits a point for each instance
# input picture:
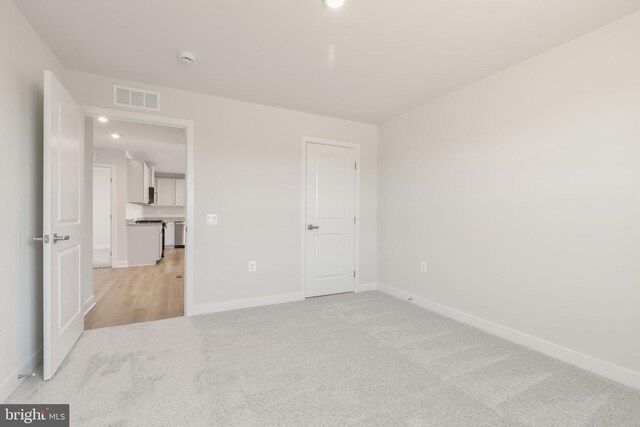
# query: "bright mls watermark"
(34, 415)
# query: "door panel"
(68, 168)
(330, 210)
(330, 255)
(70, 299)
(330, 186)
(62, 217)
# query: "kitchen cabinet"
(165, 192)
(138, 182)
(144, 244)
(170, 192)
(181, 191)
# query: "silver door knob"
(312, 227)
(57, 238)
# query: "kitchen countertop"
(133, 224)
(164, 218)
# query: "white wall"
(118, 158)
(248, 167)
(522, 192)
(101, 207)
(24, 57)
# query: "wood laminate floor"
(138, 294)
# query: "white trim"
(89, 304)
(11, 383)
(217, 307)
(581, 360)
(366, 287)
(120, 264)
(188, 125)
(303, 227)
(113, 170)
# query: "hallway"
(138, 294)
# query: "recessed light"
(103, 119)
(334, 4)
(115, 136)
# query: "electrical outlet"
(252, 266)
(423, 266)
(212, 219)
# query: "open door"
(62, 223)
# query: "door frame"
(113, 202)
(188, 126)
(303, 221)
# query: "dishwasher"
(181, 235)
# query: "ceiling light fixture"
(103, 119)
(334, 4)
(115, 136)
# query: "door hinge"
(355, 166)
(354, 273)
(354, 219)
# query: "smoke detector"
(187, 57)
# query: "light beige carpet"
(355, 359)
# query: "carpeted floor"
(355, 359)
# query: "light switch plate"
(212, 219)
(252, 266)
(423, 266)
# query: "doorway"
(146, 281)
(331, 195)
(68, 297)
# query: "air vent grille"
(137, 98)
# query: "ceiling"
(161, 146)
(369, 61)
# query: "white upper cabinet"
(138, 182)
(165, 192)
(170, 192)
(180, 192)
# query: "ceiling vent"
(136, 98)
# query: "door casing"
(188, 126)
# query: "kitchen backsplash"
(170, 211)
(134, 211)
(140, 211)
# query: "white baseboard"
(588, 363)
(11, 383)
(89, 304)
(365, 287)
(217, 307)
(120, 264)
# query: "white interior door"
(102, 217)
(330, 214)
(62, 228)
